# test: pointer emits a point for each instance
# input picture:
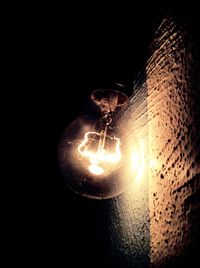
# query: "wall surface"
(174, 148)
(128, 217)
(163, 114)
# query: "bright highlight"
(94, 147)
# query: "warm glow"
(100, 154)
(153, 164)
(141, 165)
(137, 160)
(95, 169)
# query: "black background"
(57, 54)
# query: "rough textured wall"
(174, 148)
(163, 113)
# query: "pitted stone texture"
(174, 146)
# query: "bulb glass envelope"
(92, 160)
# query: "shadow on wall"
(128, 214)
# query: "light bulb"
(90, 152)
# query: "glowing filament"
(99, 148)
